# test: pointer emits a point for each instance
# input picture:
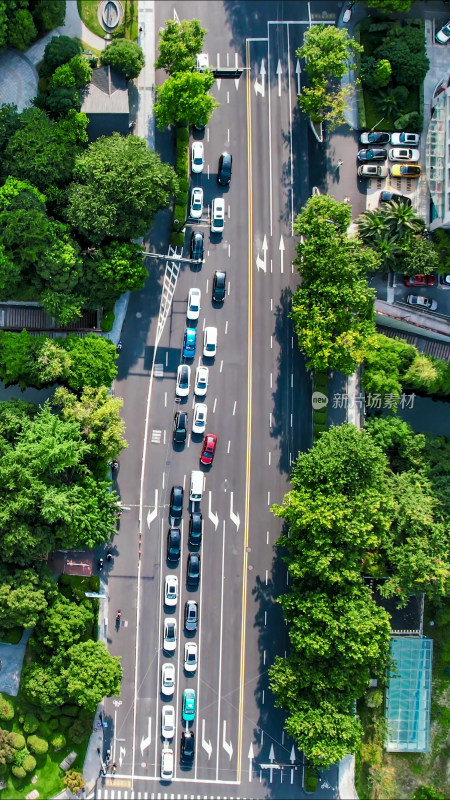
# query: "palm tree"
(402, 220)
(372, 226)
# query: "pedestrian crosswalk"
(121, 794)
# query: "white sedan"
(190, 656)
(196, 203)
(166, 764)
(403, 154)
(210, 342)
(201, 381)
(199, 421)
(183, 380)
(168, 679)
(193, 303)
(217, 215)
(197, 158)
(171, 590)
(167, 722)
(170, 634)
(405, 139)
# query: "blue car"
(190, 338)
(189, 704)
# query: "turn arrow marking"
(213, 517)
(261, 262)
(206, 744)
(234, 517)
(227, 746)
(260, 88)
(146, 740)
(152, 514)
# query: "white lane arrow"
(271, 759)
(213, 517)
(298, 71)
(152, 514)
(175, 16)
(250, 760)
(227, 746)
(293, 757)
(260, 88)
(206, 744)
(236, 80)
(146, 740)
(281, 248)
(234, 517)
(279, 73)
(122, 754)
(261, 262)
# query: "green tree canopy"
(92, 674)
(178, 45)
(58, 51)
(125, 56)
(21, 29)
(119, 185)
(74, 74)
(44, 685)
(404, 47)
(184, 98)
(63, 625)
(23, 595)
(49, 14)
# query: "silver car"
(196, 203)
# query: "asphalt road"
(258, 405)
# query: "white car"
(405, 139)
(183, 380)
(443, 35)
(171, 590)
(193, 303)
(196, 203)
(167, 679)
(170, 634)
(217, 215)
(403, 154)
(200, 415)
(197, 157)
(202, 62)
(210, 342)
(201, 381)
(167, 722)
(166, 764)
(421, 301)
(190, 656)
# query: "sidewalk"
(73, 27)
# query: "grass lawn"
(88, 9)
(311, 780)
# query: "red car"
(419, 280)
(208, 449)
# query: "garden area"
(128, 29)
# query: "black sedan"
(372, 154)
(176, 502)
(180, 425)
(197, 245)
(375, 137)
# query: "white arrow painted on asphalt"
(236, 80)
(122, 754)
(175, 16)
(282, 248)
(261, 262)
(152, 514)
(206, 744)
(279, 73)
(260, 88)
(146, 740)
(250, 760)
(227, 746)
(293, 757)
(298, 70)
(213, 517)
(234, 517)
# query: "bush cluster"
(392, 366)
(182, 197)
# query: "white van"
(196, 492)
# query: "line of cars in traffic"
(403, 154)
(180, 432)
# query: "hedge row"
(182, 197)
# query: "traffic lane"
(263, 190)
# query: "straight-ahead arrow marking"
(250, 760)
(260, 88)
(281, 248)
(206, 744)
(146, 740)
(175, 16)
(213, 517)
(293, 756)
(298, 70)
(279, 73)
(234, 517)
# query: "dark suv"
(197, 245)
(219, 286)
(180, 425)
(224, 171)
(187, 747)
(173, 544)
(176, 502)
(193, 570)
(195, 528)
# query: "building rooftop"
(408, 695)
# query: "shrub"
(17, 741)
(45, 715)
(177, 239)
(125, 56)
(58, 741)
(74, 781)
(70, 710)
(81, 729)
(37, 745)
(53, 724)
(411, 122)
(31, 723)
(29, 763)
(107, 321)
(182, 199)
(179, 213)
(183, 185)
(18, 772)
(65, 722)
(183, 134)
(6, 708)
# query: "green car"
(189, 705)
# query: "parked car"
(189, 705)
(217, 215)
(166, 764)
(405, 171)
(193, 570)
(419, 280)
(180, 424)
(210, 342)
(405, 139)
(394, 197)
(372, 171)
(219, 286)
(189, 342)
(187, 747)
(197, 158)
(167, 722)
(176, 502)
(200, 417)
(444, 279)
(183, 380)
(197, 238)
(190, 656)
(196, 203)
(193, 303)
(171, 590)
(195, 528)
(208, 449)
(202, 62)
(224, 170)
(443, 35)
(170, 634)
(372, 154)
(403, 154)
(374, 137)
(421, 301)
(167, 680)
(191, 615)
(174, 544)
(201, 380)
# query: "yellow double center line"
(249, 411)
